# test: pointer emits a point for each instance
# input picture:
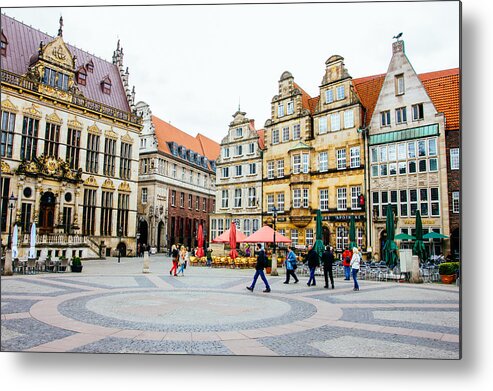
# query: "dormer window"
(81, 76)
(55, 79)
(106, 85)
(3, 45)
(90, 66)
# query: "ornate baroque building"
(176, 183)
(239, 178)
(69, 139)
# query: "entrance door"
(143, 230)
(47, 212)
(160, 236)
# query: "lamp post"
(12, 200)
(120, 233)
(273, 271)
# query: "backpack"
(348, 259)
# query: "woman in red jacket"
(346, 262)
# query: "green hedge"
(448, 268)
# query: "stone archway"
(47, 212)
(143, 232)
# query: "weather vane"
(60, 31)
(397, 36)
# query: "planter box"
(76, 269)
(448, 278)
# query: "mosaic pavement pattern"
(114, 308)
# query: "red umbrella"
(232, 241)
(200, 240)
(265, 235)
(224, 237)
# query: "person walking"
(259, 269)
(313, 261)
(174, 255)
(291, 265)
(327, 262)
(355, 264)
(209, 257)
(346, 262)
(184, 255)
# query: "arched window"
(90, 66)
(81, 76)
(106, 85)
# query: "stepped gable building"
(177, 178)
(69, 145)
(407, 160)
(239, 178)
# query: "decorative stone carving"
(91, 182)
(7, 105)
(49, 167)
(93, 129)
(32, 111)
(110, 133)
(124, 187)
(54, 118)
(108, 184)
(126, 138)
(5, 168)
(74, 124)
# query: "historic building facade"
(176, 183)
(239, 178)
(68, 145)
(407, 155)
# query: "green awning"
(406, 134)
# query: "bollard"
(415, 277)
(145, 269)
(7, 269)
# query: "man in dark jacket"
(327, 262)
(313, 261)
(259, 269)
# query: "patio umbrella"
(265, 235)
(15, 252)
(200, 242)
(419, 248)
(224, 237)
(434, 235)
(403, 236)
(352, 234)
(319, 244)
(32, 248)
(390, 248)
(232, 241)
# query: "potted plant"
(448, 272)
(76, 265)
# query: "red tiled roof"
(305, 98)
(210, 149)
(23, 43)
(261, 134)
(312, 103)
(368, 88)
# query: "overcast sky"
(194, 64)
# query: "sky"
(196, 64)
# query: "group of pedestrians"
(180, 258)
(351, 263)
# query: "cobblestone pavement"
(114, 308)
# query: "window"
(173, 197)
(90, 66)
(67, 219)
(342, 239)
(403, 203)
(423, 204)
(190, 201)
(294, 237)
(329, 96)
(435, 201)
(422, 165)
(323, 161)
(349, 119)
(182, 200)
(280, 168)
(421, 148)
(280, 110)
(106, 86)
(402, 168)
(454, 158)
(412, 167)
(225, 172)
(198, 179)
(220, 228)
(251, 148)
(341, 159)
(29, 142)
(399, 84)
(290, 107)
(55, 79)
(382, 153)
(252, 196)
(73, 148)
(92, 153)
(296, 198)
(309, 236)
(174, 170)
(270, 169)
(89, 212)
(122, 213)
(375, 203)
(109, 157)
(238, 150)
(255, 224)
(392, 150)
(144, 195)
(354, 156)
(226, 152)
(400, 115)
(145, 166)
(126, 160)
(190, 178)
(239, 170)
(385, 118)
(296, 132)
(246, 227)
(204, 204)
(401, 151)
(280, 202)
(81, 77)
(305, 198)
(411, 149)
(359, 239)
(224, 199)
(433, 165)
(335, 122)
(3, 45)
(275, 136)
(26, 209)
(106, 212)
(285, 134)
(383, 169)
(213, 228)
(355, 192)
(322, 125)
(252, 168)
(455, 202)
(270, 203)
(341, 198)
(4, 207)
(324, 199)
(296, 164)
(7, 130)
(374, 170)
(340, 92)
(239, 132)
(306, 163)
(393, 169)
(418, 112)
(432, 147)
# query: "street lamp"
(274, 253)
(12, 200)
(120, 234)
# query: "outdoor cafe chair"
(31, 265)
(40, 265)
(63, 265)
(19, 265)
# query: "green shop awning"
(401, 135)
